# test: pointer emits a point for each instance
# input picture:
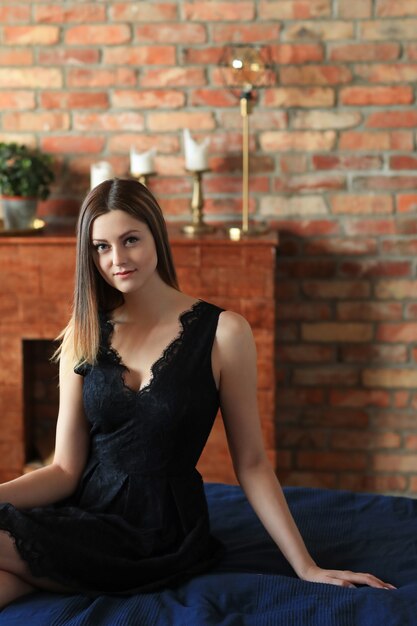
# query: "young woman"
(143, 370)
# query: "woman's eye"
(100, 247)
(131, 240)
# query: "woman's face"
(124, 251)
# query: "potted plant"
(25, 177)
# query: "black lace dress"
(138, 520)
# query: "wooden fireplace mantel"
(35, 298)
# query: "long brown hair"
(92, 293)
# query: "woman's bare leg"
(15, 577)
(12, 587)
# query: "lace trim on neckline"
(185, 319)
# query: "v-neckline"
(158, 365)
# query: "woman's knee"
(12, 563)
(12, 587)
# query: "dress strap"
(198, 341)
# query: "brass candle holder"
(197, 226)
(143, 178)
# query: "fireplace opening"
(41, 402)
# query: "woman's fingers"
(347, 578)
(340, 582)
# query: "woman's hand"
(344, 578)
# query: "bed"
(253, 585)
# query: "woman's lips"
(124, 274)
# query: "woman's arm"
(58, 480)
(234, 355)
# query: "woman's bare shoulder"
(232, 327)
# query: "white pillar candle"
(100, 172)
(235, 233)
(196, 155)
(141, 162)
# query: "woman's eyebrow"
(129, 232)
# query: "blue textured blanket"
(254, 586)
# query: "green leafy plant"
(24, 172)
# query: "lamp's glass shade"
(246, 66)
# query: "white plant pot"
(19, 213)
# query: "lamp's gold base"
(197, 229)
(253, 230)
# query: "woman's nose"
(119, 257)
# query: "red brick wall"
(333, 167)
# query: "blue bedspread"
(254, 586)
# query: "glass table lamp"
(244, 68)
